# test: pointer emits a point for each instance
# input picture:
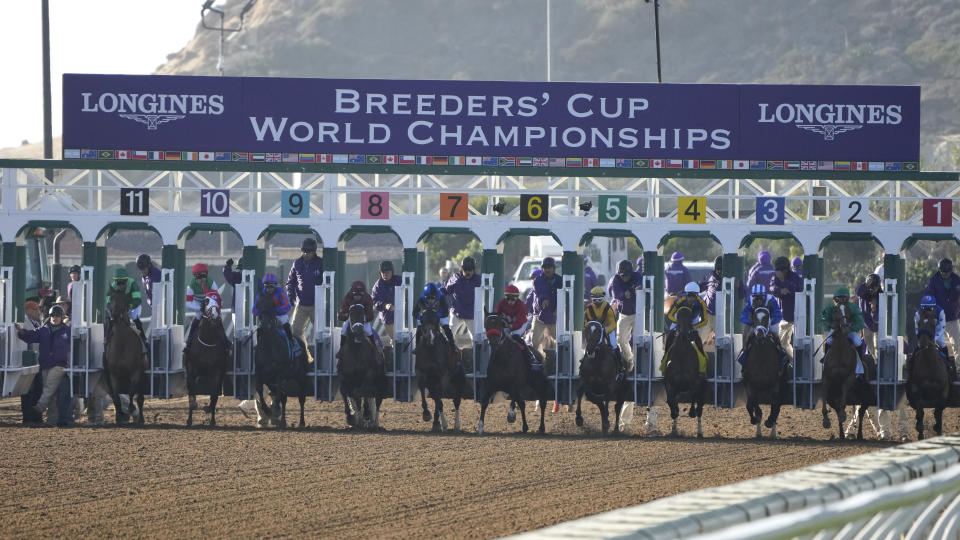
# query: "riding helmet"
(431, 290)
(200, 268)
(624, 267)
(927, 301)
(676, 257)
(691, 287)
(842, 292)
(468, 264)
(57, 309)
(946, 265)
(548, 262)
(511, 290)
(120, 273)
(758, 290)
(74, 268)
(357, 287)
(597, 292)
(781, 264)
(386, 266)
(797, 262)
(143, 261)
(269, 278)
(308, 245)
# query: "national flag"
(621, 163)
(340, 158)
(808, 165)
(859, 165)
(258, 156)
(456, 160)
(388, 160)
(774, 165)
(558, 162)
(71, 153)
(88, 154)
(641, 163)
(608, 162)
(172, 156)
(491, 161)
(841, 165)
(313, 158)
(524, 161)
(356, 159)
(591, 162)
(508, 161)
(875, 166)
(205, 156)
(240, 156)
(708, 164)
(291, 158)
(911, 166)
(674, 163)
(123, 154)
(273, 157)
(407, 160)
(474, 160)
(824, 165)
(188, 156)
(424, 160)
(105, 154)
(139, 154)
(657, 163)
(440, 160)
(758, 165)
(221, 156)
(155, 155)
(691, 164)
(791, 165)
(574, 162)
(373, 160)
(893, 166)
(540, 162)
(741, 164)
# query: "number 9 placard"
(374, 205)
(295, 204)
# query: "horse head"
(593, 336)
(926, 326)
(495, 321)
(357, 317)
(759, 319)
(684, 320)
(118, 305)
(266, 311)
(841, 320)
(429, 326)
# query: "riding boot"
(621, 365)
(951, 368)
(826, 348)
(191, 335)
(453, 344)
(671, 335)
(862, 352)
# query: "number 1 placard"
(937, 212)
(374, 205)
(453, 207)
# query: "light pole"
(47, 117)
(656, 25)
(208, 6)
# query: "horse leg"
(456, 413)
(701, 397)
(423, 402)
(512, 413)
(438, 413)
(938, 420)
(579, 399)
(523, 414)
(483, 410)
(604, 415)
(351, 419)
(616, 424)
(674, 412)
(374, 413)
(191, 392)
(111, 387)
(860, 415)
(826, 419)
(283, 411)
(919, 423)
(303, 401)
(775, 405)
(140, 407)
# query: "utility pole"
(47, 119)
(656, 24)
(208, 6)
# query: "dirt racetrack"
(166, 480)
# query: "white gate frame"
(569, 347)
(87, 337)
(646, 369)
(17, 378)
(403, 332)
(165, 339)
(726, 369)
(326, 335)
(806, 342)
(244, 336)
(482, 304)
(889, 346)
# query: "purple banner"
(485, 123)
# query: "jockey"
(760, 299)
(515, 314)
(929, 302)
(122, 282)
(691, 299)
(197, 290)
(280, 301)
(842, 298)
(358, 295)
(433, 298)
(600, 311)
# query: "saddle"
(701, 356)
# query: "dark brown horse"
(598, 377)
(928, 383)
(762, 375)
(437, 372)
(682, 377)
(124, 364)
(510, 371)
(362, 379)
(276, 364)
(840, 384)
(205, 365)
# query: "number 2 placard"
(374, 205)
(453, 207)
(215, 202)
(854, 212)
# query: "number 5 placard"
(374, 205)
(453, 207)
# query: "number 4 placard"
(453, 207)
(937, 212)
(375, 205)
(692, 210)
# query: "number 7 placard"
(453, 207)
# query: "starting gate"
(646, 367)
(244, 338)
(326, 335)
(86, 364)
(889, 347)
(726, 370)
(166, 341)
(482, 304)
(17, 374)
(569, 346)
(807, 370)
(403, 332)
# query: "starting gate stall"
(17, 375)
(326, 335)
(244, 338)
(646, 368)
(807, 370)
(482, 304)
(569, 346)
(726, 369)
(889, 347)
(403, 332)
(86, 364)
(166, 342)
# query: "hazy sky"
(86, 36)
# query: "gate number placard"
(374, 205)
(692, 210)
(613, 209)
(770, 210)
(453, 207)
(134, 201)
(215, 202)
(534, 207)
(295, 204)
(937, 212)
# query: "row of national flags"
(493, 161)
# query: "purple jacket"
(147, 282)
(676, 276)
(460, 294)
(617, 289)
(870, 316)
(531, 297)
(382, 294)
(711, 286)
(302, 279)
(589, 281)
(760, 273)
(546, 290)
(232, 277)
(788, 301)
(947, 294)
(54, 344)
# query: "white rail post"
(482, 304)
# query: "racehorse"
(123, 361)
(840, 384)
(205, 365)
(762, 375)
(437, 372)
(362, 379)
(928, 383)
(682, 377)
(276, 364)
(598, 377)
(509, 371)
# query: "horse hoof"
(692, 413)
(436, 428)
(769, 424)
(303, 425)
(511, 416)
(426, 416)
(526, 428)
(826, 423)
(541, 430)
(351, 420)
(699, 435)
(189, 423)
(213, 423)
(579, 421)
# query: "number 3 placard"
(374, 205)
(453, 207)
(770, 210)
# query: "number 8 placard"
(374, 205)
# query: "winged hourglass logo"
(829, 131)
(153, 120)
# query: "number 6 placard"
(374, 205)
